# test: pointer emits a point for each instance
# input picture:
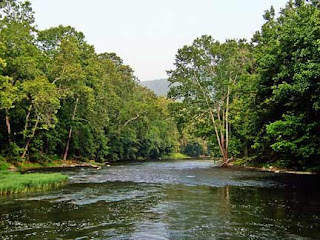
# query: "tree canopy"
(61, 99)
(257, 99)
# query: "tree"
(19, 56)
(60, 98)
(206, 75)
(68, 74)
(8, 96)
(44, 102)
(287, 52)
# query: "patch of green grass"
(4, 165)
(177, 156)
(26, 165)
(15, 182)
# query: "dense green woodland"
(60, 99)
(258, 101)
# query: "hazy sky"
(146, 34)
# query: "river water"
(168, 200)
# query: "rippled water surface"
(168, 200)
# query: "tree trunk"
(65, 155)
(223, 141)
(227, 120)
(225, 159)
(246, 150)
(27, 122)
(221, 124)
(226, 124)
(211, 114)
(8, 125)
(131, 120)
(30, 139)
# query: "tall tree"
(44, 102)
(8, 96)
(20, 55)
(205, 76)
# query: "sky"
(147, 34)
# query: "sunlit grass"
(14, 182)
(176, 156)
(31, 165)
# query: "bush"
(4, 165)
(193, 149)
(41, 158)
(245, 161)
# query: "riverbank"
(16, 182)
(240, 163)
(14, 179)
(176, 156)
(29, 166)
(274, 170)
(26, 166)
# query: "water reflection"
(162, 201)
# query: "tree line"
(257, 100)
(59, 99)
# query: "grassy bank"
(15, 182)
(27, 165)
(176, 156)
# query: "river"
(168, 200)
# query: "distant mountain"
(159, 86)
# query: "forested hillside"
(59, 99)
(160, 86)
(258, 100)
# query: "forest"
(248, 102)
(257, 101)
(59, 99)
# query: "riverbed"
(168, 200)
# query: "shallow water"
(168, 200)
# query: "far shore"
(273, 170)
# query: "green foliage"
(3, 164)
(287, 100)
(41, 158)
(292, 138)
(60, 98)
(177, 156)
(44, 98)
(208, 79)
(8, 93)
(193, 149)
(14, 151)
(263, 97)
(245, 161)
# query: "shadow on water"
(168, 200)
